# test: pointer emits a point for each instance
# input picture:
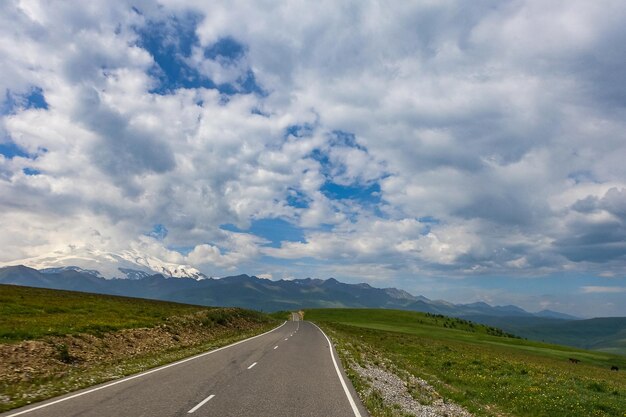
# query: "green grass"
(32, 313)
(480, 368)
(281, 315)
(607, 334)
(76, 334)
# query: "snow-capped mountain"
(129, 264)
(56, 270)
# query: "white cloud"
(602, 290)
(265, 276)
(501, 122)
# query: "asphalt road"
(288, 372)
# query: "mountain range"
(252, 292)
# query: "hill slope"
(606, 334)
(437, 360)
(32, 313)
(53, 342)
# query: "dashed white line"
(275, 347)
(286, 338)
(200, 404)
(252, 366)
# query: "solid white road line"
(119, 381)
(252, 366)
(355, 409)
(200, 404)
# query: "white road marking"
(252, 366)
(355, 409)
(119, 381)
(201, 404)
(286, 338)
(275, 347)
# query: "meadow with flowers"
(488, 372)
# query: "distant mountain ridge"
(131, 264)
(249, 291)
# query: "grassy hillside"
(607, 334)
(53, 342)
(31, 313)
(475, 366)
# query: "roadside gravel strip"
(388, 390)
(394, 391)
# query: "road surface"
(288, 372)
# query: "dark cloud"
(121, 150)
(614, 201)
(594, 241)
(600, 234)
(503, 208)
(603, 70)
(588, 248)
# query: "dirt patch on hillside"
(32, 369)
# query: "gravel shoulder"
(388, 391)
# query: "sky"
(460, 150)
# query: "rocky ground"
(411, 396)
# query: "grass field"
(53, 342)
(478, 367)
(31, 313)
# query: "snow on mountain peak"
(125, 264)
(158, 266)
(55, 270)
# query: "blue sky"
(461, 151)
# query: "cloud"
(602, 290)
(501, 122)
(265, 276)
(595, 228)
(120, 149)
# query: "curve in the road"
(355, 409)
(252, 377)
